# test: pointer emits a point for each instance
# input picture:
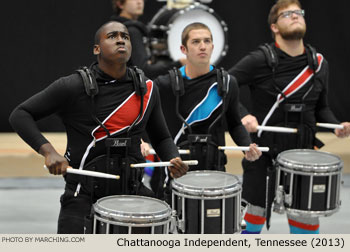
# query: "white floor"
(31, 205)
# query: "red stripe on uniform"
(254, 219)
(126, 114)
(303, 225)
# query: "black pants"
(254, 180)
(76, 211)
(73, 212)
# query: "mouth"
(202, 55)
(121, 49)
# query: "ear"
(119, 5)
(183, 49)
(96, 50)
(274, 28)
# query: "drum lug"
(173, 222)
(181, 225)
(278, 206)
(288, 199)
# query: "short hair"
(280, 4)
(190, 27)
(115, 7)
(99, 30)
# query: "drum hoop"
(141, 217)
(207, 197)
(214, 191)
(313, 213)
(132, 224)
(287, 163)
(309, 173)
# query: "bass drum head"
(132, 208)
(203, 14)
(309, 160)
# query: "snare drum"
(207, 202)
(167, 25)
(131, 214)
(308, 182)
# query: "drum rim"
(132, 217)
(203, 191)
(312, 213)
(317, 168)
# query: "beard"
(295, 34)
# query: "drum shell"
(116, 221)
(207, 210)
(310, 189)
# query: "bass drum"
(167, 25)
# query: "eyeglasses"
(288, 14)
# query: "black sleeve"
(244, 73)
(158, 132)
(50, 100)
(140, 58)
(323, 111)
(246, 68)
(237, 131)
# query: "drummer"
(275, 73)
(117, 104)
(201, 101)
(128, 12)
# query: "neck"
(128, 15)
(114, 70)
(291, 47)
(196, 71)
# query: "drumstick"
(242, 148)
(181, 152)
(277, 129)
(90, 173)
(330, 125)
(160, 164)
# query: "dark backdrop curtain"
(45, 39)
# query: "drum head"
(202, 14)
(309, 160)
(132, 208)
(207, 183)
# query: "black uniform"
(255, 71)
(117, 106)
(201, 104)
(141, 55)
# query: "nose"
(120, 40)
(202, 45)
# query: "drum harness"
(199, 144)
(304, 137)
(129, 177)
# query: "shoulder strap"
(90, 84)
(311, 57)
(177, 82)
(139, 80)
(270, 55)
(222, 79)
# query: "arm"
(161, 140)
(23, 120)
(237, 131)
(323, 111)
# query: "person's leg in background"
(303, 224)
